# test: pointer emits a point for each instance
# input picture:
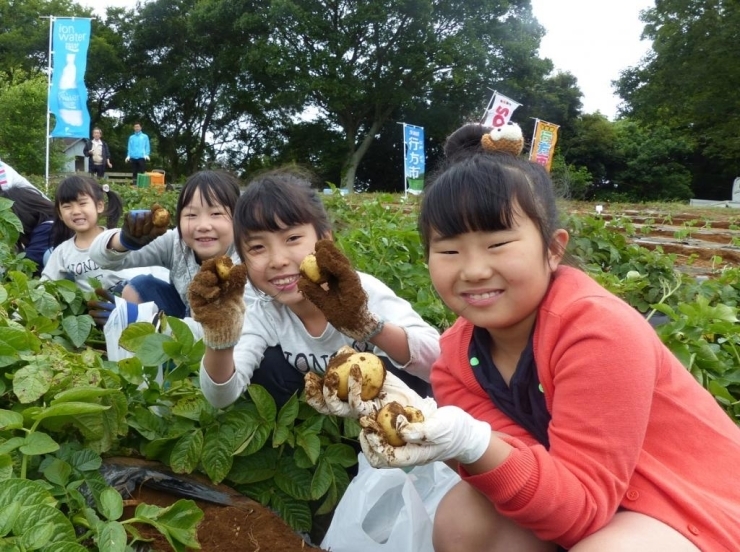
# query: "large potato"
(371, 368)
(386, 418)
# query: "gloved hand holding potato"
(216, 297)
(329, 282)
(143, 226)
(399, 437)
(350, 388)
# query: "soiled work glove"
(344, 303)
(143, 226)
(446, 433)
(216, 297)
(102, 309)
(322, 395)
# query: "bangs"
(73, 187)
(474, 196)
(266, 207)
(216, 188)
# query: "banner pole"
(488, 105)
(534, 134)
(48, 92)
(403, 150)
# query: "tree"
(357, 63)
(689, 83)
(23, 125)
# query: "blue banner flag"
(68, 94)
(413, 165)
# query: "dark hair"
(479, 191)
(31, 208)
(75, 186)
(215, 187)
(276, 198)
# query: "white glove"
(146, 157)
(324, 398)
(446, 433)
(127, 159)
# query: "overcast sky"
(593, 39)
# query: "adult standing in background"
(99, 154)
(138, 151)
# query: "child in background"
(204, 230)
(36, 214)
(277, 222)
(79, 202)
(572, 424)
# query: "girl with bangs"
(204, 231)
(571, 423)
(278, 221)
(79, 203)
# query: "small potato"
(386, 418)
(310, 268)
(223, 267)
(161, 217)
(371, 368)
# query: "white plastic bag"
(389, 509)
(117, 322)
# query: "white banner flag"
(500, 111)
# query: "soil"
(704, 240)
(241, 526)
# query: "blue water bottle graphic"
(70, 102)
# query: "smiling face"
(206, 229)
(496, 280)
(81, 214)
(273, 258)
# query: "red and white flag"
(500, 111)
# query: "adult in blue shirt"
(138, 151)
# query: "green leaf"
(31, 382)
(86, 460)
(292, 480)
(37, 516)
(182, 333)
(259, 466)
(178, 523)
(70, 409)
(111, 537)
(339, 453)
(217, 458)
(11, 444)
(263, 401)
(288, 413)
(6, 467)
(322, 479)
(37, 536)
(111, 504)
(82, 394)
(78, 328)
(38, 443)
(311, 445)
(134, 334)
(10, 419)
(186, 453)
(8, 516)
(58, 472)
(295, 512)
(151, 352)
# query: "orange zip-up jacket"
(630, 426)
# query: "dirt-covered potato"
(161, 217)
(386, 418)
(310, 268)
(223, 267)
(371, 368)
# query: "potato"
(223, 267)
(310, 268)
(386, 418)
(371, 368)
(161, 217)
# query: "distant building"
(75, 160)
